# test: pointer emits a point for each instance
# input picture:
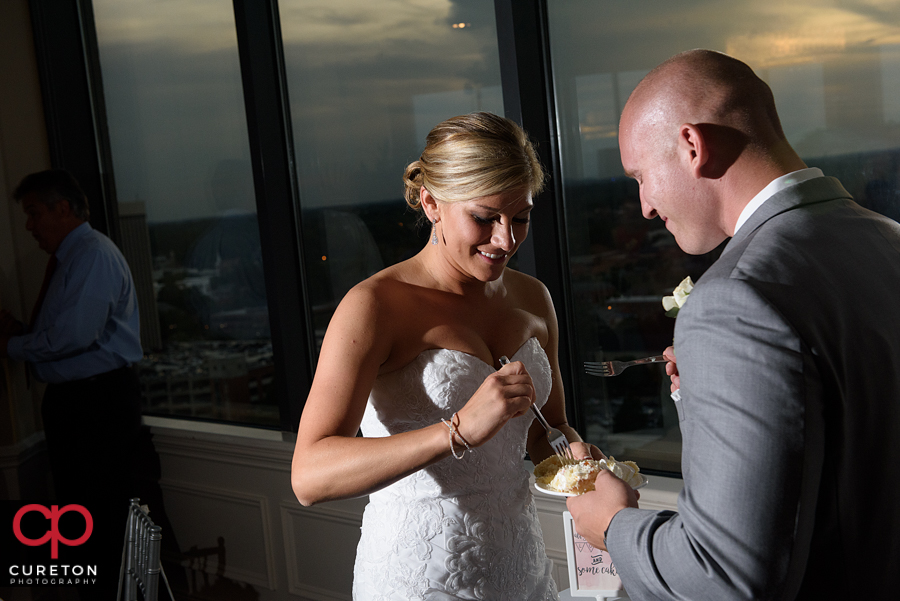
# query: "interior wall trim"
(258, 454)
(241, 501)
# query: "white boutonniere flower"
(679, 296)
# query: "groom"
(788, 359)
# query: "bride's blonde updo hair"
(471, 156)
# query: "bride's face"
(479, 236)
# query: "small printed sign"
(591, 571)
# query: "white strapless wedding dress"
(459, 529)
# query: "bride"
(411, 357)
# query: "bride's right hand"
(505, 394)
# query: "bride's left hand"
(583, 450)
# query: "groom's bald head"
(704, 86)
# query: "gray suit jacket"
(789, 355)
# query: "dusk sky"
(366, 79)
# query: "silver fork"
(558, 440)
(614, 368)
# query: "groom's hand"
(593, 511)
(672, 368)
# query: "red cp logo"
(53, 534)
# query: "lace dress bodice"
(458, 529)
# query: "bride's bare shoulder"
(382, 314)
(385, 294)
(527, 289)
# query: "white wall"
(234, 483)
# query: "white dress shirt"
(774, 187)
(88, 323)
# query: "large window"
(367, 81)
(364, 82)
(835, 73)
(178, 135)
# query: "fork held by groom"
(614, 368)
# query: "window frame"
(68, 62)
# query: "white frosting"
(575, 478)
(626, 470)
(579, 478)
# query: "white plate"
(555, 493)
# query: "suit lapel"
(811, 191)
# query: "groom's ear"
(693, 148)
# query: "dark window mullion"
(528, 99)
(66, 49)
(271, 148)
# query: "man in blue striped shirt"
(82, 339)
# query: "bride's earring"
(434, 231)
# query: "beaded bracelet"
(454, 433)
(450, 438)
(458, 434)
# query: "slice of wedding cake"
(579, 478)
